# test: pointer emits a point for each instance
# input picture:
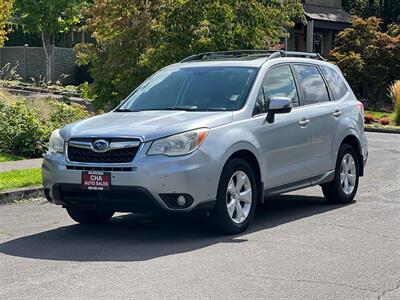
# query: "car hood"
(146, 125)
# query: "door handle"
(337, 113)
(304, 122)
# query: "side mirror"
(278, 105)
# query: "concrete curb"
(381, 130)
(11, 196)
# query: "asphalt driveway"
(299, 247)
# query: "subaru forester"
(217, 132)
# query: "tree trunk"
(48, 51)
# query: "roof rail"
(229, 54)
(301, 54)
(269, 54)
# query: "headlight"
(56, 143)
(180, 144)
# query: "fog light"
(177, 200)
(181, 200)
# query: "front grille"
(106, 169)
(112, 156)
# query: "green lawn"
(379, 114)
(20, 178)
(9, 157)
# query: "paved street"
(299, 247)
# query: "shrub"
(384, 121)
(369, 119)
(394, 92)
(84, 90)
(62, 114)
(26, 126)
(22, 131)
(8, 72)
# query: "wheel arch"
(249, 157)
(354, 142)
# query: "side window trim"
(330, 92)
(254, 114)
(299, 98)
(300, 93)
(323, 78)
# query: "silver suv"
(216, 132)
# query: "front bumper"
(142, 188)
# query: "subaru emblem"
(100, 146)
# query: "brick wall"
(32, 62)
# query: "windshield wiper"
(215, 109)
(195, 108)
(188, 108)
(125, 110)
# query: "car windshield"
(193, 89)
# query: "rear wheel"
(344, 187)
(236, 199)
(84, 216)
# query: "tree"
(387, 10)
(186, 27)
(5, 15)
(369, 58)
(136, 38)
(46, 18)
(122, 31)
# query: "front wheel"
(236, 198)
(84, 216)
(344, 187)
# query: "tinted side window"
(279, 82)
(313, 85)
(335, 82)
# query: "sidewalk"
(21, 164)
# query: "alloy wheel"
(348, 174)
(239, 197)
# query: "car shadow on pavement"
(139, 238)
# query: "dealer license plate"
(96, 180)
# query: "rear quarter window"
(335, 82)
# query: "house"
(325, 18)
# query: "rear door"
(342, 110)
(321, 111)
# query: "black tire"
(220, 216)
(84, 216)
(333, 191)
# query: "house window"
(318, 43)
(299, 44)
